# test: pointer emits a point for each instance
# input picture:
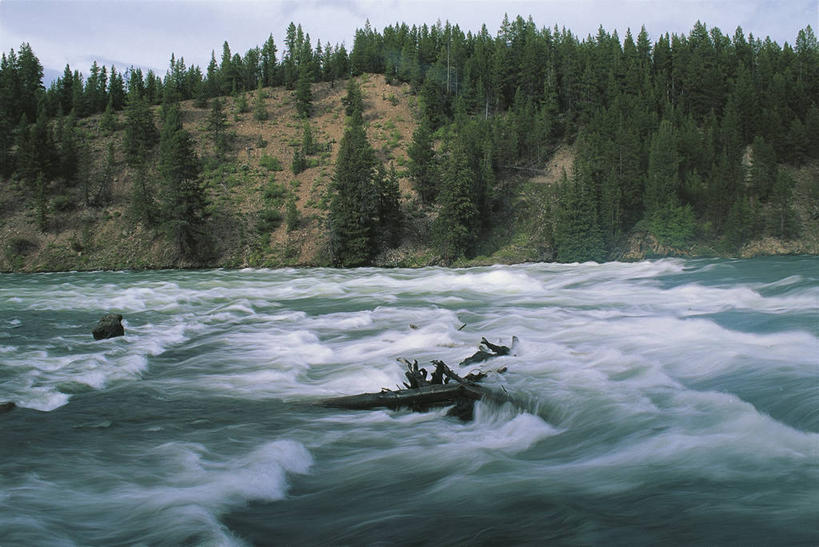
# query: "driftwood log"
(443, 388)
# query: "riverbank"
(250, 195)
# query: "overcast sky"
(145, 32)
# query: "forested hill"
(421, 145)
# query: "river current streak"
(668, 401)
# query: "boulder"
(7, 407)
(109, 326)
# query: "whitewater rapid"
(666, 400)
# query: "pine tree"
(389, 209)
(259, 108)
(738, 224)
(200, 96)
(353, 101)
(141, 134)
(183, 201)
(578, 236)
(304, 95)
(250, 69)
(79, 103)
(30, 74)
(68, 149)
(663, 176)
(227, 71)
(307, 145)
(108, 122)
(457, 224)
(36, 151)
(116, 90)
(669, 220)
(292, 218)
(422, 163)
(136, 84)
(289, 68)
(104, 179)
(782, 218)
(217, 128)
(240, 105)
(213, 78)
(299, 162)
(66, 90)
(143, 207)
(354, 201)
(268, 61)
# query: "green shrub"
(274, 194)
(270, 162)
(674, 226)
(241, 104)
(62, 203)
(269, 220)
(292, 216)
(299, 162)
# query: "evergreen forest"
(693, 142)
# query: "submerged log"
(417, 399)
(443, 388)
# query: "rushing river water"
(669, 401)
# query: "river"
(669, 401)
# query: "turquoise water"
(667, 401)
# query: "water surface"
(666, 401)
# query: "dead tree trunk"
(443, 388)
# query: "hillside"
(81, 237)
(258, 179)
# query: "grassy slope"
(83, 238)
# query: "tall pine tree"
(354, 203)
(183, 200)
(457, 224)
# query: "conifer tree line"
(662, 129)
(42, 148)
(24, 98)
(681, 137)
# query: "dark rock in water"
(7, 407)
(109, 326)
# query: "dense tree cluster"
(661, 128)
(364, 210)
(681, 137)
(41, 146)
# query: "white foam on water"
(506, 430)
(38, 375)
(436, 281)
(712, 435)
(622, 384)
(40, 398)
(174, 494)
(191, 477)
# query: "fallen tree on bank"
(443, 388)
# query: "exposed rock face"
(109, 326)
(642, 245)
